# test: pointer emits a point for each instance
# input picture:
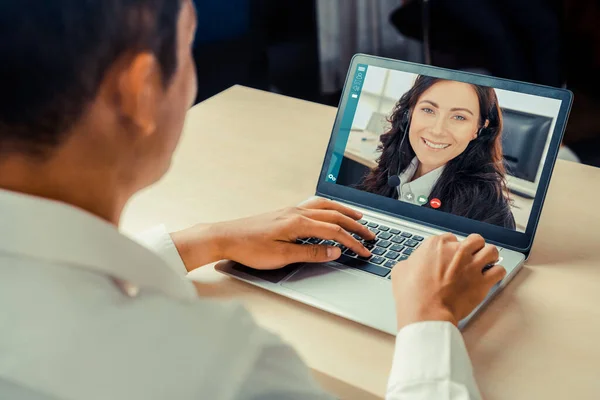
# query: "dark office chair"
(351, 172)
(523, 140)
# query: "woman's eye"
(459, 118)
(427, 110)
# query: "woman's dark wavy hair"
(473, 184)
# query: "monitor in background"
(523, 141)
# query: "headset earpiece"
(406, 119)
(394, 180)
(483, 127)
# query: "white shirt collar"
(422, 186)
(55, 232)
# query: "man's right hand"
(443, 279)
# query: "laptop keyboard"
(389, 247)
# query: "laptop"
(446, 117)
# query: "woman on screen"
(444, 150)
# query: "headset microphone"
(394, 180)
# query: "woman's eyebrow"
(430, 102)
(452, 109)
(462, 109)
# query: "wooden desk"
(246, 151)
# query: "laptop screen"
(469, 150)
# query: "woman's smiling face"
(443, 122)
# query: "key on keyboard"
(385, 235)
(377, 260)
(392, 255)
(378, 251)
(364, 265)
(397, 248)
(384, 243)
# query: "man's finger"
(466, 249)
(335, 217)
(494, 275)
(486, 256)
(319, 203)
(473, 243)
(446, 237)
(314, 253)
(327, 231)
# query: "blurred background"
(303, 48)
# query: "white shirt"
(87, 313)
(418, 191)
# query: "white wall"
(367, 105)
(381, 90)
(528, 103)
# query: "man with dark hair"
(93, 96)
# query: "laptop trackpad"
(357, 293)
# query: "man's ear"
(139, 90)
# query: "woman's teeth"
(434, 145)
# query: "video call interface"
(455, 147)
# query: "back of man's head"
(54, 55)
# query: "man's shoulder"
(70, 319)
(99, 299)
(77, 306)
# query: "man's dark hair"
(54, 55)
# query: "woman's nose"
(438, 127)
